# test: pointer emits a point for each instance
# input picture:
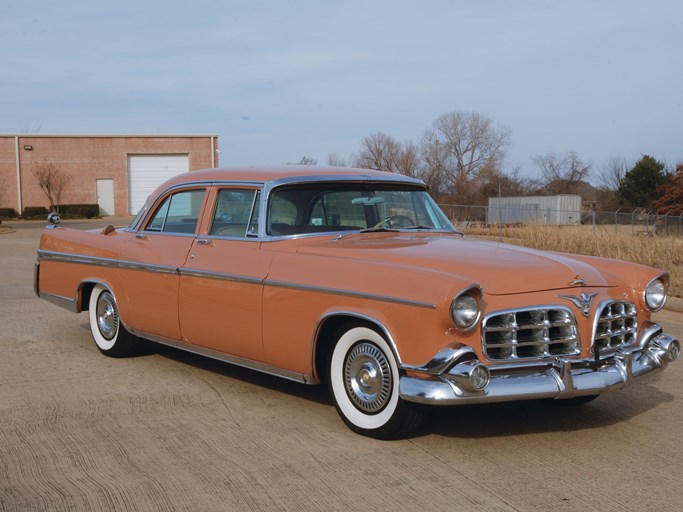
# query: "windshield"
(331, 208)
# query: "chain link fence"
(639, 222)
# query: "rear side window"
(179, 213)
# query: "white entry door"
(105, 197)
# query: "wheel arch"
(324, 338)
(85, 289)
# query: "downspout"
(16, 152)
(213, 152)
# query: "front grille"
(617, 326)
(530, 334)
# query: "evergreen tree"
(638, 189)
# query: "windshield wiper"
(418, 227)
(378, 229)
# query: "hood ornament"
(582, 301)
(578, 281)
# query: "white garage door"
(147, 172)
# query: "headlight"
(465, 310)
(655, 294)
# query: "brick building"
(115, 171)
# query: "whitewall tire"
(364, 384)
(108, 332)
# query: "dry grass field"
(662, 252)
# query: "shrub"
(8, 213)
(34, 212)
(79, 210)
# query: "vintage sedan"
(356, 279)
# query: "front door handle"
(204, 241)
(140, 236)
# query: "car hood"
(500, 269)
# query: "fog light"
(470, 375)
(674, 351)
(480, 377)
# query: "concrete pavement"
(173, 431)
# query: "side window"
(179, 213)
(236, 213)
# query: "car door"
(150, 259)
(221, 284)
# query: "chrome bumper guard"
(560, 378)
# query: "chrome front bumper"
(559, 378)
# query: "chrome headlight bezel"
(465, 309)
(656, 293)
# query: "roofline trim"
(111, 135)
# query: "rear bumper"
(560, 378)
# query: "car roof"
(281, 175)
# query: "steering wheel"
(395, 221)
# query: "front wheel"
(109, 334)
(364, 384)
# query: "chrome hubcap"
(367, 377)
(107, 316)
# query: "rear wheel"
(109, 334)
(364, 384)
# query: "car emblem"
(582, 301)
(578, 280)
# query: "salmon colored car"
(356, 279)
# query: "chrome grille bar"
(531, 333)
(616, 326)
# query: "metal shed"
(560, 210)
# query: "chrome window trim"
(270, 186)
(232, 238)
(342, 234)
(266, 187)
(246, 236)
(167, 233)
(167, 193)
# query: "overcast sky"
(277, 80)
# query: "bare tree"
(435, 158)
(306, 160)
(52, 181)
(382, 152)
(378, 151)
(408, 161)
(461, 145)
(334, 160)
(562, 173)
(612, 172)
